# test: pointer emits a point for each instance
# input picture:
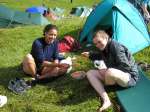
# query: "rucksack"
(68, 44)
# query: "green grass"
(23, 4)
(62, 95)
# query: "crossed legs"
(48, 72)
(29, 67)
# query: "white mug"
(100, 64)
(3, 100)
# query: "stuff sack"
(68, 44)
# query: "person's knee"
(29, 57)
(111, 72)
(110, 77)
(90, 74)
(116, 76)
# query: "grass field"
(62, 95)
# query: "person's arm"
(56, 52)
(56, 57)
(37, 51)
(122, 60)
(50, 64)
(55, 62)
(85, 54)
(92, 55)
(145, 10)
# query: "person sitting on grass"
(121, 67)
(43, 61)
(145, 9)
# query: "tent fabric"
(126, 22)
(39, 9)
(6, 13)
(81, 11)
(8, 16)
(136, 99)
(57, 10)
(4, 22)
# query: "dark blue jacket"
(41, 51)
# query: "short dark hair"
(49, 27)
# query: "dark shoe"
(31, 83)
(15, 87)
(22, 83)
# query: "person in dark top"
(43, 60)
(120, 68)
(145, 9)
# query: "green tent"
(9, 16)
(127, 24)
(82, 11)
(57, 10)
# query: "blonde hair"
(100, 34)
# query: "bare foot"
(105, 105)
